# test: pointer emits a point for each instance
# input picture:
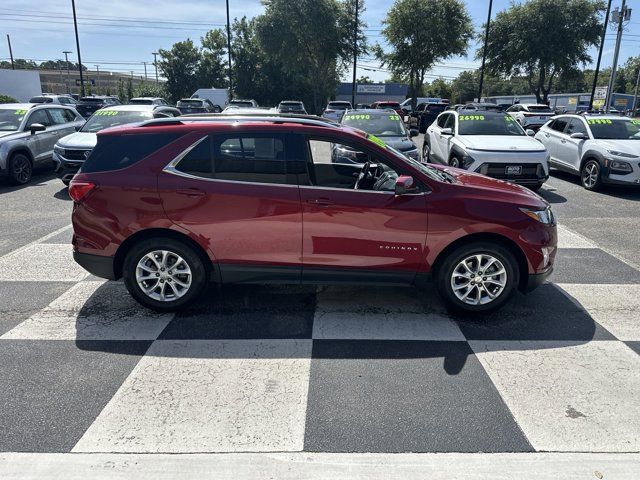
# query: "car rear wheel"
(20, 169)
(477, 277)
(590, 175)
(425, 153)
(164, 274)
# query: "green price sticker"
(394, 117)
(357, 117)
(509, 118)
(376, 140)
(20, 112)
(599, 121)
(107, 112)
(466, 118)
(635, 122)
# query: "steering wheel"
(362, 175)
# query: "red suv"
(173, 203)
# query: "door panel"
(362, 230)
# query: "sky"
(119, 35)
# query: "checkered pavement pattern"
(83, 368)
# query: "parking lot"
(287, 369)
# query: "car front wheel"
(164, 274)
(590, 175)
(20, 169)
(477, 277)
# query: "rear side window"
(559, 124)
(114, 152)
(255, 159)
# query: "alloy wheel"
(163, 275)
(21, 169)
(590, 175)
(478, 279)
(454, 162)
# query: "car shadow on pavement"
(62, 194)
(345, 315)
(39, 178)
(625, 192)
(551, 196)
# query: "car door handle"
(563, 141)
(190, 192)
(547, 135)
(321, 202)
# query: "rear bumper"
(97, 265)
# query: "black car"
(292, 106)
(197, 105)
(86, 106)
(386, 125)
(425, 114)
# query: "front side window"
(559, 124)
(576, 126)
(442, 119)
(39, 116)
(450, 122)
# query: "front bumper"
(534, 166)
(614, 177)
(534, 280)
(97, 265)
(66, 169)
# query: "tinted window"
(39, 116)
(559, 124)
(69, 115)
(442, 120)
(258, 159)
(114, 152)
(451, 122)
(576, 126)
(540, 109)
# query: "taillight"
(79, 190)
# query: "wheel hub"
(479, 279)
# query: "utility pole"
(75, 26)
(66, 60)
(484, 50)
(13, 67)
(98, 79)
(145, 70)
(229, 53)
(155, 63)
(619, 16)
(355, 57)
(595, 76)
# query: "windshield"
(339, 105)
(488, 125)
(614, 129)
(10, 119)
(140, 101)
(112, 118)
(388, 125)
(241, 104)
(290, 106)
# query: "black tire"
(199, 273)
(455, 162)
(20, 169)
(587, 172)
(445, 272)
(425, 152)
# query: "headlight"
(467, 161)
(58, 150)
(620, 166)
(543, 216)
(622, 154)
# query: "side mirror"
(413, 133)
(579, 136)
(529, 132)
(36, 127)
(446, 131)
(404, 183)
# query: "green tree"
(7, 99)
(364, 80)
(20, 64)
(149, 89)
(212, 68)
(438, 88)
(540, 39)
(180, 66)
(416, 45)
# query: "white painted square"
(568, 396)
(615, 307)
(96, 310)
(208, 396)
(43, 262)
(569, 239)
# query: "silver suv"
(28, 133)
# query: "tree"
(364, 80)
(20, 64)
(149, 89)
(541, 39)
(311, 41)
(180, 66)
(438, 88)
(417, 45)
(212, 69)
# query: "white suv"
(601, 149)
(530, 115)
(487, 142)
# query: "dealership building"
(373, 92)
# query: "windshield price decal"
(357, 117)
(20, 112)
(464, 118)
(376, 140)
(509, 118)
(599, 121)
(106, 112)
(394, 117)
(635, 122)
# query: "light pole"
(10, 52)
(155, 62)
(229, 52)
(484, 50)
(620, 16)
(145, 71)
(75, 26)
(98, 79)
(66, 60)
(595, 76)
(355, 57)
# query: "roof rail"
(272, 117)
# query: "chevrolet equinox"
(171, 204)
